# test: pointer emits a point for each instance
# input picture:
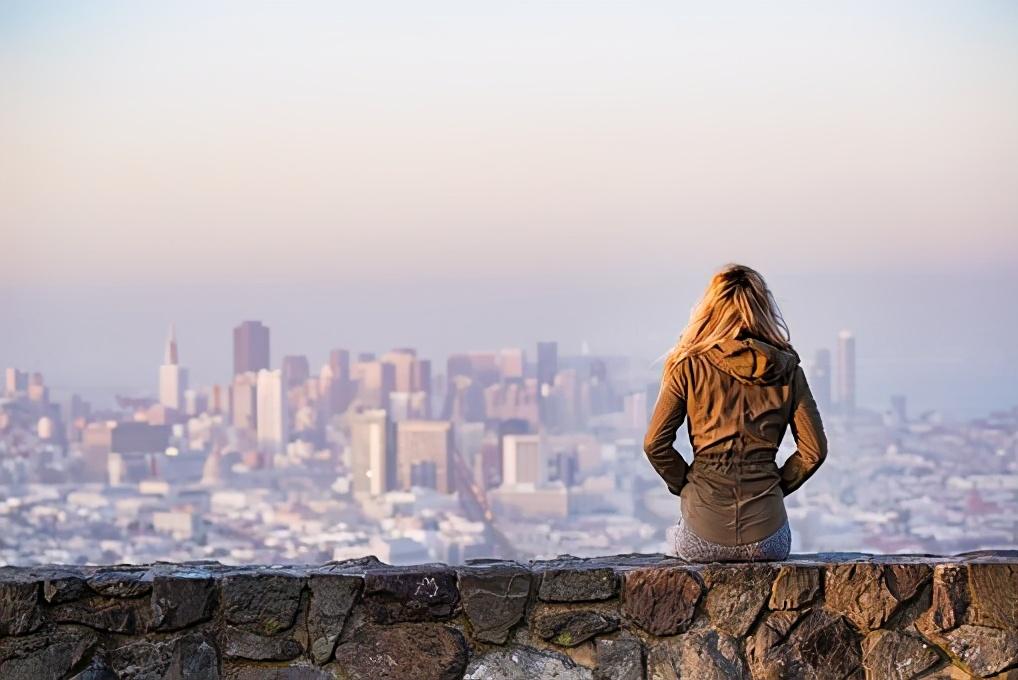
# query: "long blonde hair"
(737, 301)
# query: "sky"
(457, 175)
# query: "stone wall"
(618, 618)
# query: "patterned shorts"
(686, 545)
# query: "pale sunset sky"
(472, 175)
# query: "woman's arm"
(669, 412)
(810, 440)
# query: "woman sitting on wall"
(736, 381)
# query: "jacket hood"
(753, 361)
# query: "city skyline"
(503, 451)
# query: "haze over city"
(468, 175)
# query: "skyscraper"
(402, 361)
(339, 362)
(845, 383)
(820, 379)
(371, 453)
(250, 347)
(523, 459)
(272, 417)
(547, 368)
(547, 362)
(424, 454)
(15, 381)
(172, 376)
(412, 378)
(244, 401)
(296, 369)
(375, 381)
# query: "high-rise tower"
(372, 453)
(271, 417)
(845, 383)
(172, 376)
(547, 368)
(250, 347)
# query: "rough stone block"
(736, 595)
(524, 663)
(577, 583)
(38, 656)
(701, 654)
(296, 671)
(19, 606)
(950, 598)
(571, 627)
(424, 651)
(993, 593)
(661, 601)
(265, 602)
(113, 615)
(983, 650)
(494, 599)
(243, 644)
(823, 645)
(619, 659)
(410, 594)
(191, 657)
(122, 583)
(332, 597)
(858, 592)
(893, 655)
(768, 659)
(58, 588)
(182, 600)
(905, 580)
(794, 586)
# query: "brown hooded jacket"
(737, 398)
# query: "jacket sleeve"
(810, 440)
(669, 412)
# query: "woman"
(735, 379)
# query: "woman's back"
(739, 397)
(736, 378)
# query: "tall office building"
(523, 460)
(15, 381)
(339, 363)
(172, 376)
(402, 362)
(244, 401)
(372, 456)
(845, 383)
(250, 347)
(96, 446)
(375, 381)
(820, 379)
(411, 376)
(336, 384)
(547, 368)
(296, 370)
(424, 455)
(272, 422)
(547, 362)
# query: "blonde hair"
(737, 301)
